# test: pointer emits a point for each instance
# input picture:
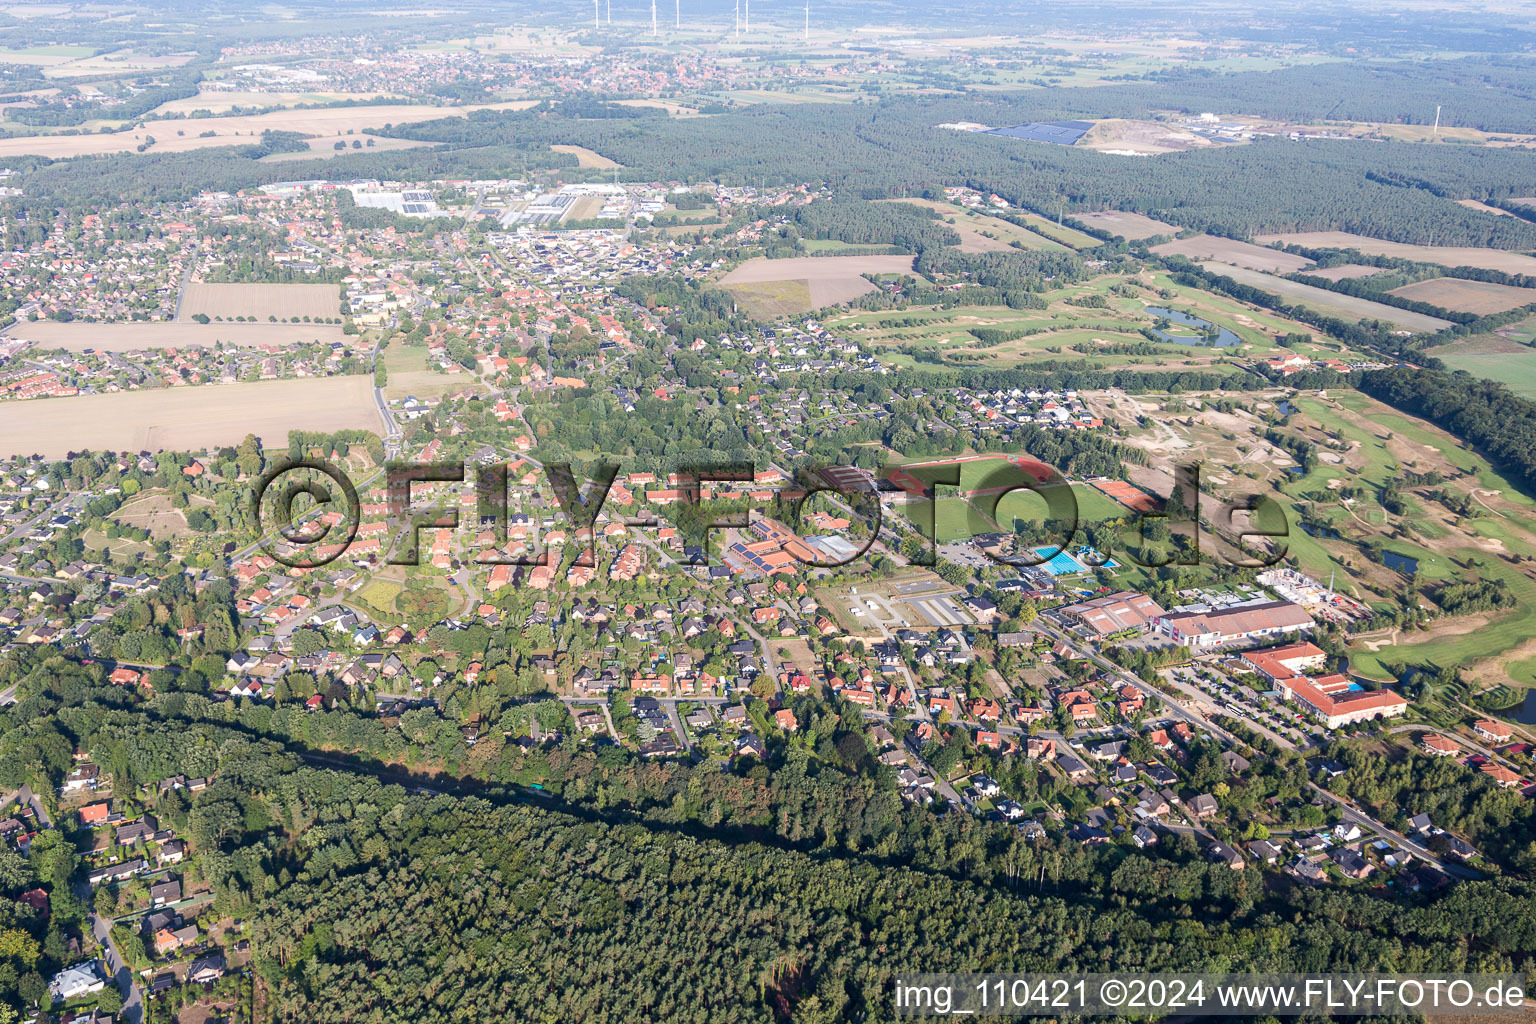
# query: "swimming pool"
(1064, 564)
(1060, 564)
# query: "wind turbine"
(747, 24)
(738, 19)
(653, 17)
(807, 21)
(678, 12)
(595, 22)
(610, 12)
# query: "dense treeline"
(56, 112)
(1482, 412)
(912, 228)
(1392, 191)
(372, 904)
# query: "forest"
(1394, 191)
(656, 893)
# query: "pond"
(1225, 339)
(1525, 712)
(1402, 563)
(1285, 408)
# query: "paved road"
(24, 795)
(8, 696)
(1349, 811)
(133, 998)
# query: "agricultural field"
(1133, 227)
(1346, 272)
(78, 336)
(182, 419)
(182, 135)
(1473, 204)
(1346, 307)
(1230, 250)
(1481, 297)
(260, 300)
(324, 147)
(1445, 255)
(799, 284)
(1070, 237)
(222, 101)
(1494, 357)
(981, 233)
(586, 157)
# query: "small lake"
(1285, 408)
(1402, 563)
(1226, 339)
(1326, 532)
(1524, 713)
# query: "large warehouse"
(1114, 613)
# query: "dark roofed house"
(165, 892)
(1351, 863)
(1224, 854)
(1202, 806)
(206, 970)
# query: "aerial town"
(706, 443)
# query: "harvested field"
(241, 129)
(827, 280)
(1445, 255)
(260, 300)
(1239, 254)
(1473, 204)
(133, 337)
(586, 157)
(186, 418)
(1332, 303)
(224, 100)
(1461, 296)
(324, 147)
(1133, 227)
(1344, 273)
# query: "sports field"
(182, 419)
(1072, 326)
